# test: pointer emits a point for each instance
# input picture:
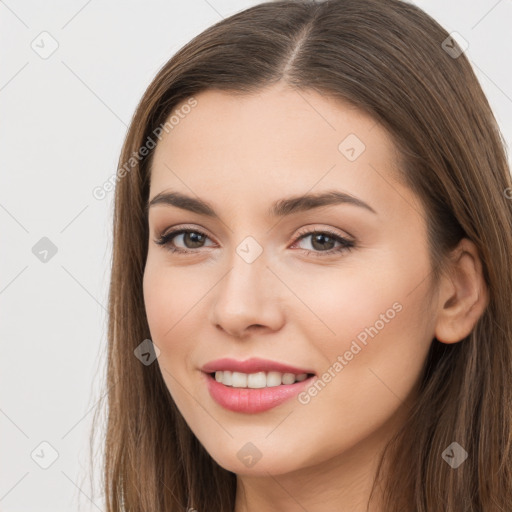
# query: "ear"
(463, 294)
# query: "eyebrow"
(280, 208)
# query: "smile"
(254, 393)
(257, 380)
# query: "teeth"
(274, 379)
(239, 380)
(257, 380)
(225, 378)
(288, 378)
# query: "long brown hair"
(391, 60)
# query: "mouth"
(254, 393)
(258, 380)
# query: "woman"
(311, 283)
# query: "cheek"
(169, 304)
(169, 297)
(370, 329)
(159, 303)
(341, 304)
(175, 299)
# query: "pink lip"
(252, 365)
(246, 400)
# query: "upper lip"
(252, 365)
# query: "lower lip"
(248, 400)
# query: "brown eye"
(193, 239)
(190, 238)
(323, 243)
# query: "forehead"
(257, 148)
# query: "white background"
(63, 120)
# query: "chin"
(247, 459)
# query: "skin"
(242, 153)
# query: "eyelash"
(346, 245)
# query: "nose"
(248, 298)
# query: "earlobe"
(463, 294)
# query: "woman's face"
(258, 282)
